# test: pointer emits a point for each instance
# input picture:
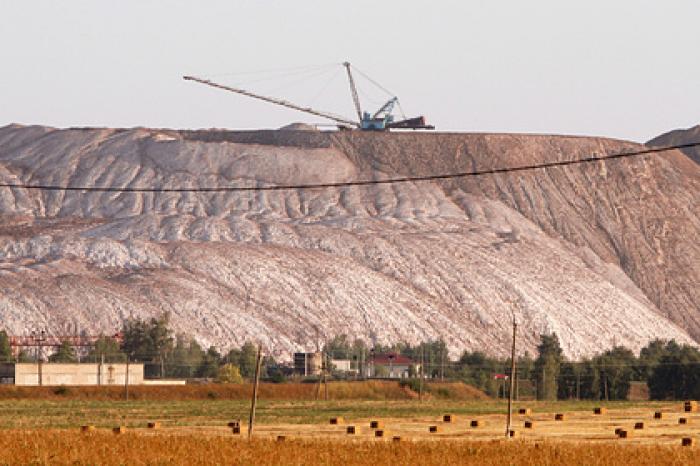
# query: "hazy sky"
(621, 68)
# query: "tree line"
(670, 370)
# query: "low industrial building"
(48, 374)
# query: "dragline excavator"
(381, 120)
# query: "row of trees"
(163, 353)
(670, 370)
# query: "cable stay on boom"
(381, 120)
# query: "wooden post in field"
(512, 380)
(420, 382)
(544, 382)
(253, 402)
(126, 380)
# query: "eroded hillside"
(600, 253)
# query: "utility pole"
(126, 380)
(39, 337)
(512, 379)
(420, 382)
(605, 384)
(578, 384)
(442, 364)
(326, 365)
(100, 368)
(254, 400)
(363, 374)
(544, 383)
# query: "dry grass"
(365, 390)
(61, 447)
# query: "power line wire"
(407, 179)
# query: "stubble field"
(193, 429)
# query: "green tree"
(247, 360)
(339, 348)
(616, 370)
(185, 358)
(108, 348)
(209, 367)
(24, 356)
(148, 341)
(478, 370)
(229, 373)
(547, 365)
(649, 358)
(677, 375)
(65, 353)
(5, 348)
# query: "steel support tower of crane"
(381, 120)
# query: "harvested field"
(198, 432)
(59, 447)
(364, 390)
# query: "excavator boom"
(274, 100)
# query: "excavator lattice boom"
(381, 120)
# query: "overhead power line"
(407, 179)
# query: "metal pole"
(512, 380)
(254, 400)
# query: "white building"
(71, 374)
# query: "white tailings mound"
(386, 263)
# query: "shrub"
(229, 373)
(62, 390)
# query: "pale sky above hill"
(623, 68)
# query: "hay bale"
(281, 438)
(683, 420)
(352, 430)
(600, 410)
(688, 442)
(658, 415)
(449, 418)
(524, 411)
(379, 433)
(87, 428)
(513, 433)
(639, 425)
(529, 425)
(337, 420)
(396, 438)
(119, 430)
(154, 425)
(477, 423)
(618, 430)
(236, 423)
(376, 425)
(690, 406)
(434, 429)
(559, 417)
(236, 430)
(625, 433)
